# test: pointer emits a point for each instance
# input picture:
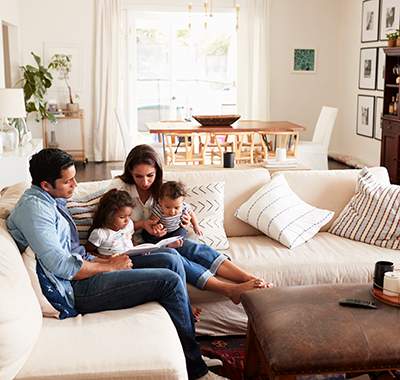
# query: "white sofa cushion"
(20, 314)
(328, 189)
(372, 215)
(278, 212)
(239, 186)
(136, 343)
(9, 197)
(207, 203)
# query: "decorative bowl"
(213, 120)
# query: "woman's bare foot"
(196, 313)
(236, 290)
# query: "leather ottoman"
(303, 330)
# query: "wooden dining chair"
(283, 141)
(242, 146)
(190, 148)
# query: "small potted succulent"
(392, 38)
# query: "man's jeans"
(159, 276)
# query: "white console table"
(14, 166)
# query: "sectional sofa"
(141, 342)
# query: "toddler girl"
(112, 229)
(168, 211)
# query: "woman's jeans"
(148, 238)
(200, 261)
(159, 276)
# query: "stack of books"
(273, 163)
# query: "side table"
(14, 166)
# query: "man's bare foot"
(237, 290)
(196, 313)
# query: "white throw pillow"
(30, 264)
(279, 213)
(207, 202)
(372, 215)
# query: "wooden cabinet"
(390, 157)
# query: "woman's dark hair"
(172, 189)
(144, 154)
(110, 203)
(48, 164)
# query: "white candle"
(391, 283)
(280, 154)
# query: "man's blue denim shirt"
(35, 221)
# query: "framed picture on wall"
(390, 20)
(304, 60)
(75, 76)
(378, 115)
(365, 115)
(368, 58)
(380, 72)
(370, 21)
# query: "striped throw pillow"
(82, 210)
(280, 214)
(372, 216)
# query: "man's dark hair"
(48, 164)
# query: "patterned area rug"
(231, 351)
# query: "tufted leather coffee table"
(303, 330)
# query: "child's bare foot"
(176, 244)
(237, 290)
(196, 313)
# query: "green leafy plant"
(36, 81)
(393, 36)
(60, 62)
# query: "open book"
(141, 249)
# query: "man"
(40, 220)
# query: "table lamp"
(12, 105)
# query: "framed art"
(367, 79)
(365, 115)
(370, 21)
(304, 60)
(378, 115)
(390, 21)
(75, 76)
(380, 72)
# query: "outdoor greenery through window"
(180, 69)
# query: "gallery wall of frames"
(380, 22)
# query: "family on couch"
(90, 284)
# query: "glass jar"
(9, 136)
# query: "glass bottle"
(391, 106)
(396, 105)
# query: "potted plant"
(35, 82)
(392, 38)
(60, 62)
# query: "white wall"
(333, 27)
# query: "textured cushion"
(20, 314)
(278, 212)
(82, 210)
(372, 216)
(9, 197)
(30, 264)
(207, 202)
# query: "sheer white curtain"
(253, 60)
(107, 139)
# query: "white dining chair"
(128, 138)
(314, 154)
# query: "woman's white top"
(109, 241)
(141, 211)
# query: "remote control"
(357, 303)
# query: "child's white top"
(109, 241)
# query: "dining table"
(264, 128)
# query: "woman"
(142, 179)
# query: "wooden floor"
(97, 171)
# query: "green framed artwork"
(304, 60)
